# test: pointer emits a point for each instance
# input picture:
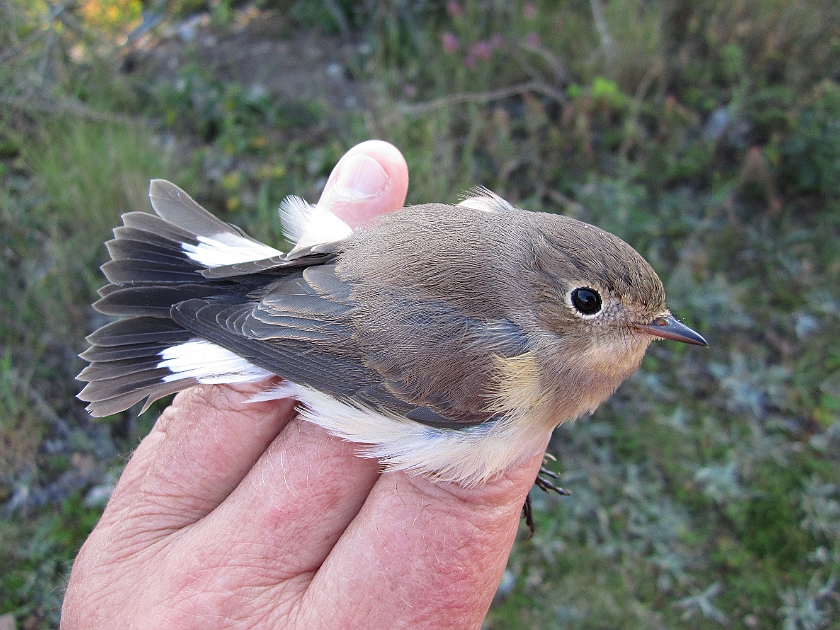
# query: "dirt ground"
(262, 50)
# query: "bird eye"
(587, 301)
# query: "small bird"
(448, 340)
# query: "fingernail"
(360, 176)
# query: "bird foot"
(543, 482)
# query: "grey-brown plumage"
(471, 320)
(458, 269)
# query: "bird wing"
(206, 303)
(303, 329)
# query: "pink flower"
(532, 40)
(497, 41)
(454, 9)
(449, 43)
(469, 61)
(529, 10)
(482, 50)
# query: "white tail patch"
(208, 364)
(227, 249)
(309, 225)
(468, 456)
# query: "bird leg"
(544, 483)
(528, 515)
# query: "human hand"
(235, 515)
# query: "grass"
(706, 492)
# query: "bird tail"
(156, 263)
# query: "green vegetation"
(706, 492)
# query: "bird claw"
(544, 483)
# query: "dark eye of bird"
(587, 301)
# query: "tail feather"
(157, 263)
(125, 359)
(124, 372)
(147, 249)
(122, 375)
(177, 208)
(116, 404)
(157, 226)
(124, 233)
(106, 388)
(104, 370)
(118, 271)
(150, 300)
(149, 271)
(138, 330)
(102, 354)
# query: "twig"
(45, 58)
(601, 24)
(16, 50)
(561, 73)
(26, 103)
(58, 10)
(150, 20)
(54, 13)
(484, 97)
(41, 406)
(558, 197)
(339, 17)
(653, 71)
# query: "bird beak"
(667, 327)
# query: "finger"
(431, 555)
(299, 499)
(371, 179)
(203, 445)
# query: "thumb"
(371, 179)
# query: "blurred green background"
(706, 133)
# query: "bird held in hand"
(448, 340)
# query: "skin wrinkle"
(345, 617)
(285, 474)
(281, 613)
(442, 535)
(122, 497)
(232, 586)
(385, 538)
(304, 603)
(167, 500)
(132, 525)
(219, 403)
(278, 451)
(455, 568)
(135, 541)
(267, 520)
